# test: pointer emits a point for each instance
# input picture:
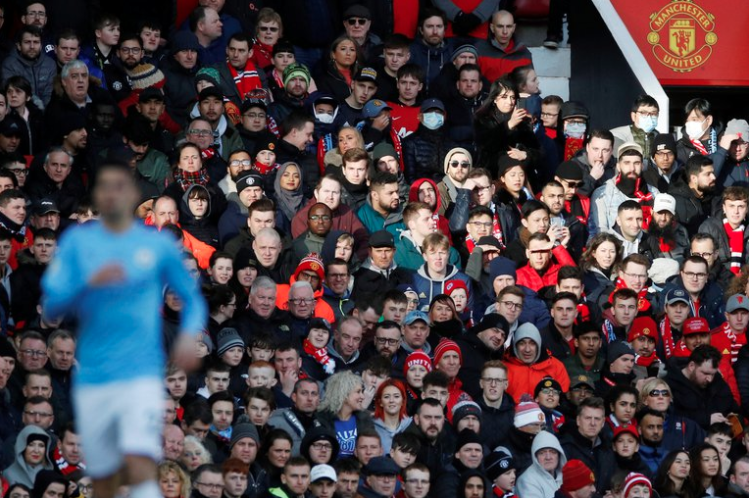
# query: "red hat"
(311, 262)
(417, 358)
(626, 429)
(443, 347)
(696, 325)
(643, 326)
(576, 475)
(453, 285)
(634, 479)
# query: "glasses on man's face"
(384, 340)
(549, 114)
(200, 133)
(694, 276)
(318, 217)
(319, 446)
(354, 21)
(636, 275)
(703, 255)
(550, 390)
(646, 114)
(301, 300)
(512, 305)
(658, 393)
(85, 488)
(36, 13)
(481, 224)
(19, 171)
(131, 50)
(462, 164)
(270, 29)
(255, 115)
(493, 380)
(34, 353)
(573, 184)
(246, 163)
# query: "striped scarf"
(736, 244)
(246, 81)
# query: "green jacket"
(155, 168)
(374, 221)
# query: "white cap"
(664, 202)
(322, 471)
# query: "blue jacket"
(712, 307)
(427, 287)
(431, 58)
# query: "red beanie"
(576, 475)
(443, 347)
(455, 284)
(311, 262)
(635, 479)
(417, 358)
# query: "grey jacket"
(21, 472)
(536, 482)
(40, 73)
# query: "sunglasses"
(462, 164)
(272, 29)
(659, 392)
(573, 184)
(354, 21)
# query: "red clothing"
(344, 219)
(728, 343)
(496, 62)
(262, 54)
(406, 17)
(468, 6)
(404, 119)
(199, 249)
(322, 309)
(440, 221)
(522, 378)
(530, 278)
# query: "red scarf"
(583, 314)
(572, 146)
(321, 356)
(666, 246)
(645, 198)
(736, 243)
(497, 230)
(667, 337)
(700, 148)
(208, 153)
(187, 179)
(246, 81)
(470, 244)
(263, 169)
(645, 361)
(642, 297)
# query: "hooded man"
(528, 363)
(544, 477)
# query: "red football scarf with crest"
(736, 243)
(246, 81)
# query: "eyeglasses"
(512, 305)
(34, 352)
(665, 153)
(492, 380)
(481, 224)
(646, 114)
(200, 133)
(550, 390)
(703, 255)
(659, 392)
(318, 217)
(549, 115)
(131, 50)
(19, 171)
(636, 275)
(354, 21)
(83, 487)
(694, 276)
(322, 446)
(32, 413)
(210, 486)
(35, 13)
(572, 184)
(301, 300)
(462, 164)
(384, 340)
(272, 29)
(244, 163)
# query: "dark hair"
(219, 255)
(569, 271)
(6, 173)
(629, 205)
(428, 12)
(466, 68)
(137, 129)
(560, 296)
(297, 120)
(699, 260)
(696, 475)
(700, 105)
(644, 100)
(149, 23)
(646, 410)
(720, 428)
(695, 164)
(436, 378)
(105, 19)
(603, 135)
(592, 402)
(240, 37)
(45, 234)
(197, 15)
(378, 365)
(396, 41)
(407, 443)
(519, 75)
(531, 206)
(395, 296)
(262, 393)
(500, 84)
(8, 195)
(198, 411)
(272, 436)
(30, 30)
(480, 211)
(19, 82)
(617, 391)
(68, 34)
(704, 353)
(552, 100)
(624, 295)
(206, 467)
(348, 465)
(434, 403)
(663, 483)
(130, 36)
(263, 205)
(702, 236)
(217, 296)
(413, 70)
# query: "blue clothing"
(346, 433)
(119, 333)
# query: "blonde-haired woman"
(678, 431)
(173, 481)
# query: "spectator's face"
(70, 447)
(238, 53)
(223, 412)
(738, 320)
(513, 179)
(329, 193)
(306, 398)
(62, 353)
(165, 213)
(323, 488)
(348, 338)
(537, 221)
(347, 484)
(436, 258)
(625, 311)
(408, 88)
(291, 179)
(249, 195)
(694, 277)
(705, 249)
(395, 58)
(38, 385)
(255, 119)
(367, 448)
(152, 109)
(261, 377)
(150, 38)
(76, 84)
(77, 139)
(363, 91)
(109, 34)
(9, 143)
(663, 219)
(357, 27)
(239, 162)
(130, 53)
(245, 449)
(630, 222)
(222, 270)
(6, 184)
(287, 361)
(40, 415)
(416, 334)
(217, 381)
(344, 55)
(664, 159)
(210, 484)
(644, 346)
(263, 302)
(35, 15)
(470, 455)
(383, 485)
(236, 483)
(590, 422)
(430, 420)
(386, 197)
(469, 84)
(599, 151)
(527, 350)
(626, 445)
(337, 278)
(174, 442)
(550, 115)
(279, 452)
(703, 374)
(624, 364)
(282, 60)
(510, 306)
(186, 58)
(344, 248)
(427, 195)
(740, 476)
(176, 384)
(432, 30)
(297, 87)
(548, 458)
(268, 32)
(302, 302)
(382, 257)
(564, 313)
(416, 484)
(33, 354)
(394, 311)
(480, 226)
(211, 27)
(30, 46)
(635, 276)
(415, 376)
(449, 364)
(355, 172)
(539, 254)
(211, 108)
(630, 166)
(735, 211)
(502, 28)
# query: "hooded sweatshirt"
(21, 472)
(536, 482)
(440, 222)
(522, 377)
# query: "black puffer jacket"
(714, 227)
(741, 369)
(203, 229)
(331, 81)
(460, 111)
(691, 211)
(179, 89)
(494, 138)
(424, 152)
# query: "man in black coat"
(698, 391)
(379, 273)
(437, 447)
(497, 409)
(583, 441)
(484, 342)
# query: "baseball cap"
(489, 240)
(415, 315)
(625, 429)
(366, 74)
(45, 206)
(737, 302)
(322, 471)
(432, 104)
(695, 325)
(626, 146)
(677, 295)
(569, 170)
(582, 380)
(664, 202)
(374, 107)
(381, 466)
(11, 126)
(151, 93)
(357, 10)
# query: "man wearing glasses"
(644, 115)
(357, 21)
(208, 482)
(32, 355)
(705, 296)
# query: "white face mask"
(694, 129)
(324, 117)
(647, 123)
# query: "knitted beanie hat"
(311, 262)
(634, 479)
(528, 412)
(443, 347)
(146, 75)
(576, 475)
(208, 74)
(417, 358)
(226, 339)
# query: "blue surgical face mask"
(575, 130)
(433, 120)
(647, 123)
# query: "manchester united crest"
(682, 35)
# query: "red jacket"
(495, 62)
(530, 278)
(523, 378)
(728, 343)
(441, 221)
